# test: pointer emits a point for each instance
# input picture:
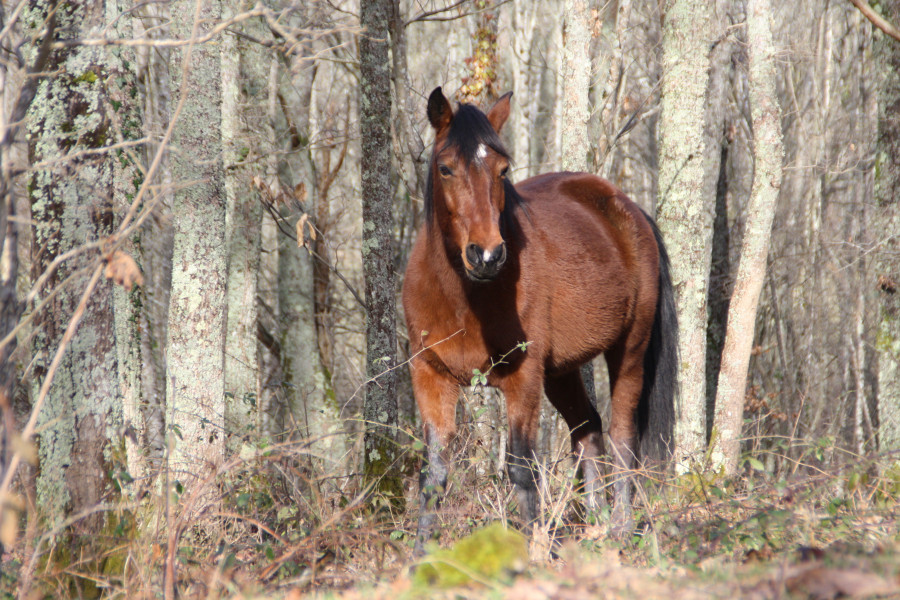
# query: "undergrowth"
(270, 524)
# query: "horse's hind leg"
(626, 376)
(436, 396)
(566, 393)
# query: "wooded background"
(256, 170)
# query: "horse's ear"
(499, 112)
(439, 112)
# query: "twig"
(278, 220)
(428, 15)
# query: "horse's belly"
(587, 320)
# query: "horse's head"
(467, 182)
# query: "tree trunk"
(768, 153)
(887, 267)
(195, 392)
(685, 210)
(576, 81)
(244, 67)
(380, 410)
(130, 305)
(71, 203)
(156, 239)
(525, 79)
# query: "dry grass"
(269, 525)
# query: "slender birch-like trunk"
(768, 152)
(130, 309)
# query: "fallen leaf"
(122, 269)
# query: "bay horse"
(562, 262)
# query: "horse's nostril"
(475, 255)
(498, 256)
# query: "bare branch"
(429, 15)
(876, 19)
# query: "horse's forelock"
(469, 132)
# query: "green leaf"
(755, 464)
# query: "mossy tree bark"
(71, 204)
(195, 390)
(684, 211)
(380, 409)
(768, 152)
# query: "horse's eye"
(445, 170)
(504, 171)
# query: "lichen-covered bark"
(195, 407)
(525, 78)
(887, 192)
(684, 211)
(576, 81)
(380, 410)
(244, 68)
(768, 151)
(129, 312)
(71, 204)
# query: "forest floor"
(809, 523)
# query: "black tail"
(656, 408)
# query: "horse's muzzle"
(484, 265)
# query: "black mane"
(469, 129)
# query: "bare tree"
(768, 155)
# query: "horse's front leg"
(436, 397)
(522, 390)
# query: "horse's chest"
(457, 347)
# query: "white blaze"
(481, 152)
(487, 256)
